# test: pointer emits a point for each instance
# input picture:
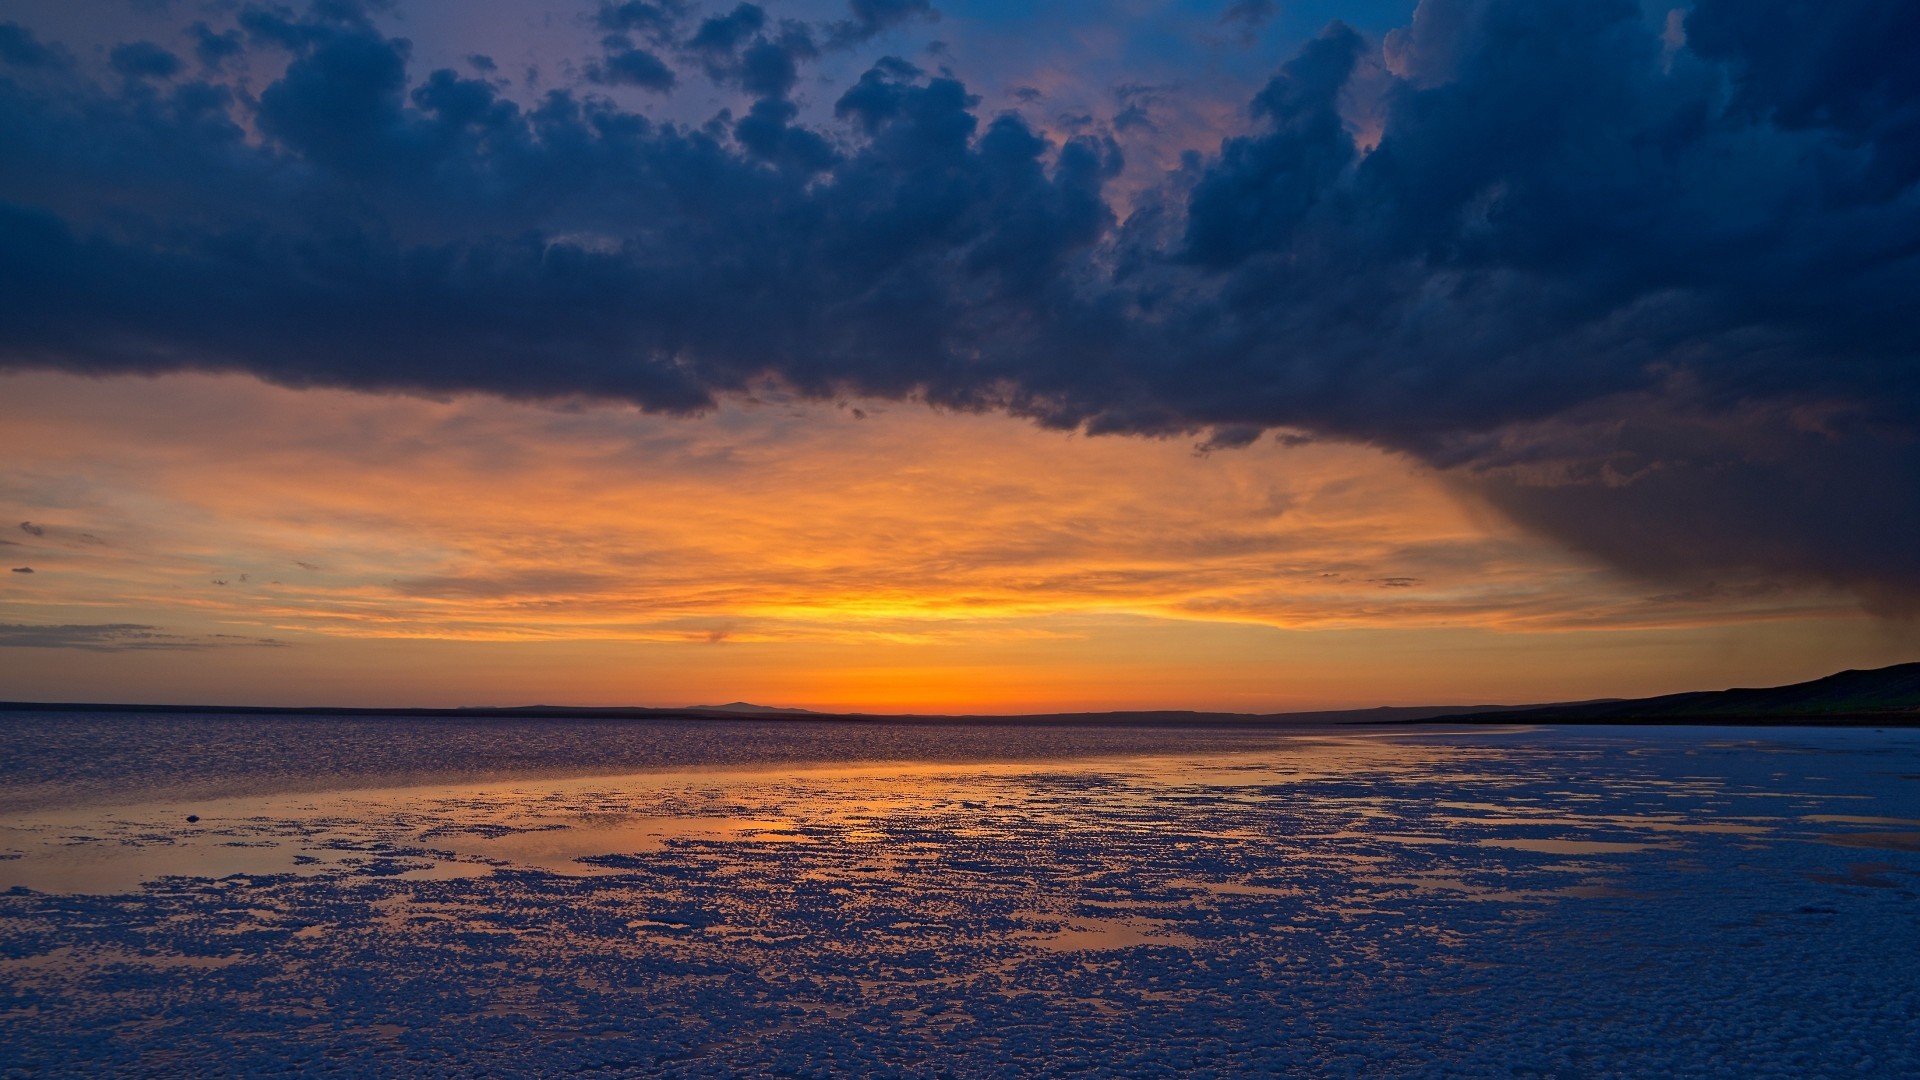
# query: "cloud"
(744, 48)
(213, 49)
(118, 637)
(726, 34)
(629, 66)
(145, 60)
(1646, 293)
(20, 48)
(658, 22)
(871, 18)
(474, 518)
(23, 569)
(31, 529)
(1250, 16)
(1136, 101)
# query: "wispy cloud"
(119, 637)
(482, 520)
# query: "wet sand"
(1396, 903)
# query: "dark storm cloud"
(19, 48)
(212, 49)
(630, 66)
(145, 60)
(745, 48)
(657, 22)
(871, 18)
(725, 34)
(1647, 295)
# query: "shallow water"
(1413, 902)
(56, 758)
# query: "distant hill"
(1888, 696)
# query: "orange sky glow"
(317, 546)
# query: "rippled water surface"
(828, 899)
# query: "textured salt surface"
(1577, 902)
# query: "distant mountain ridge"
(1885, 696)
(747, 707)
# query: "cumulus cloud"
(658, 22)
(871, 18)
(1647, 292)
(630, 66)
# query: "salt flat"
(1515, 902)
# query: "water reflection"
(1303, 795)
(732, 916)
(1557, 846)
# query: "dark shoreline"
(1849, 720)
(1144, 718)
(1497, 716)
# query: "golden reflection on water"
(1098, 934)
(1885, 841)
(586, 826)
(737, 921)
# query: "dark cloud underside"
(1647, 288)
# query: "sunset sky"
(892, 355)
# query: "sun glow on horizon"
(889, 558)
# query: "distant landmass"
(1883, 697)
(741, 710)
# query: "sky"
(892, 355)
